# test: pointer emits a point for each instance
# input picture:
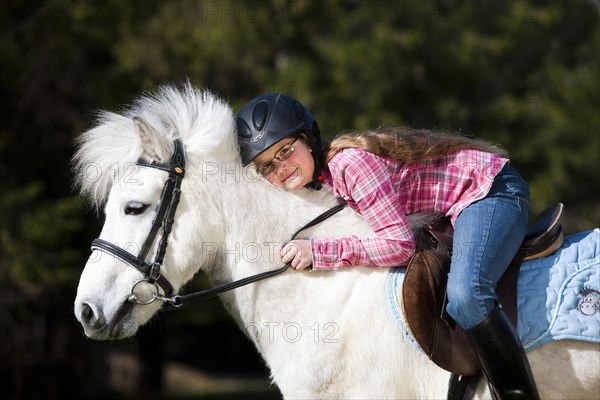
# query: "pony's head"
(130, 193)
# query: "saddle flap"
(423, 294)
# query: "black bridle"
(169, 199)
(165, 217)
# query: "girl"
(386, 174)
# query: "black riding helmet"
(267, 119)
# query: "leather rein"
(165, 217)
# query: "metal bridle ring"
(134, 298)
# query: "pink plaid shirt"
(384, 190)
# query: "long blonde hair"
(408, 144)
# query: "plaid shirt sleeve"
(366, 184)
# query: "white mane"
(201, 119)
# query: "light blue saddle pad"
(558, 297)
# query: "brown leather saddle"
(424, 289)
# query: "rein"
(184, 301)
(165, 217)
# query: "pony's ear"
(155, 146)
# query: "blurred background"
(523, 73)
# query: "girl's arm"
(365, 182)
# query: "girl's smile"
(287, 178)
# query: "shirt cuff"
(324, 254)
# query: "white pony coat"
(325, 334)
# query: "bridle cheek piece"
(164, 218)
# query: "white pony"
(326, 335)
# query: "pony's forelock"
(102, 152)
(200, 119)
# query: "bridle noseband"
(169, 199)
(164, 218)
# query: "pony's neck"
(270, 216)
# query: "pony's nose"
(92, 319)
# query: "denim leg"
(487, 235)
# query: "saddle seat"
(424, 289)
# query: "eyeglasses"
(283, 154)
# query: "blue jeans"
(487, 235)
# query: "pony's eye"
(135, 208)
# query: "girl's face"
(288, 164)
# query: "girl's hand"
(297, 252)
